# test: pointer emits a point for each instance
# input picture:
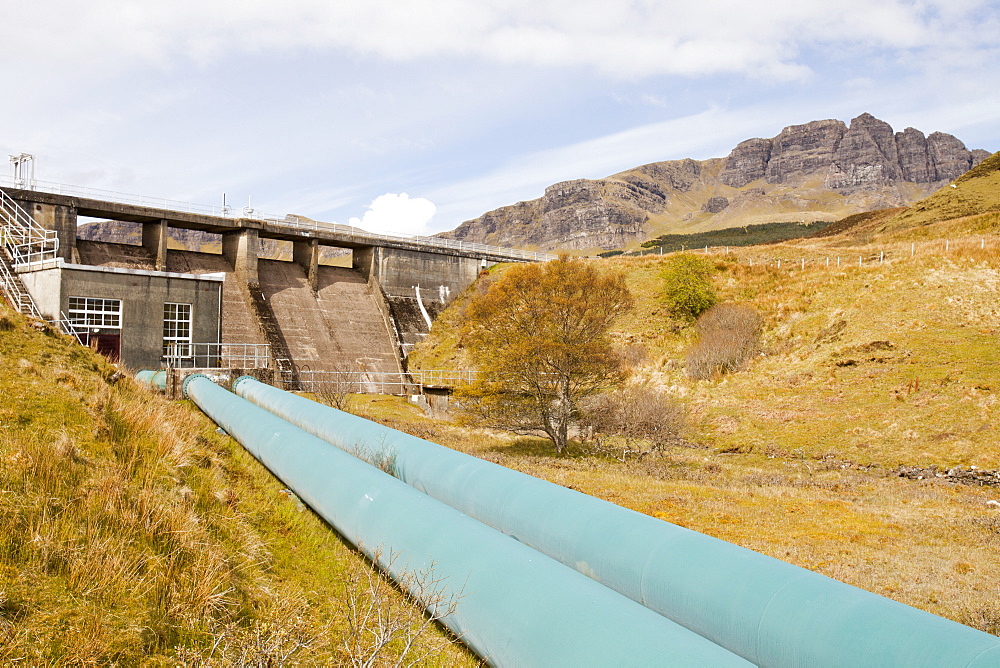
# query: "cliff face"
(822, 169)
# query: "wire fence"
(757, 256)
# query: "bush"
(634, 421)
(729, 335)
(687, 286)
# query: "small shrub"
(632, 422)
(729, 335)
(333, 389)
(687, 286)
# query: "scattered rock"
(971, 475)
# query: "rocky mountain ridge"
(822, 170)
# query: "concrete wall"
(417, 286)
(45, 287)
(143, 294)
(60, 218)
(401, 273)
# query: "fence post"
(803, 263)
(913, 248)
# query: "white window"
(177, 330)
(94, 312)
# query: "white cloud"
(623, 39)
(397, 214)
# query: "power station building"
(135, 316)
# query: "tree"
(687, 285)
(539, 338)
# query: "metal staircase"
(22, 242)
(14, 289)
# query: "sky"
(412, 116)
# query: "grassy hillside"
(974, 193)
(131, 532)
(867, 372)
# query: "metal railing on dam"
(376, 382)
(356, 234)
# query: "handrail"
(382, 382)
(24, 240)
(14, 289)
(432, 242)
(289, 220)
(218, 355)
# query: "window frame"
(93, 313)
(173, 323)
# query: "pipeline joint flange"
(242, 378)
(187, 381)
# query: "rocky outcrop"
(747, 162)
(822, 168)
(606, 213)
(978, 155)
(914, 161)
(801, 151)
(715, 204)
(948, 156)
(866, 155)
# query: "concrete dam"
(145, 301)
(336, 327)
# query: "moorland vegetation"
(857, 393)
(855, 397)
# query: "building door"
(109, 345)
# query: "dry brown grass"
(131, 532)
(864, 369)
